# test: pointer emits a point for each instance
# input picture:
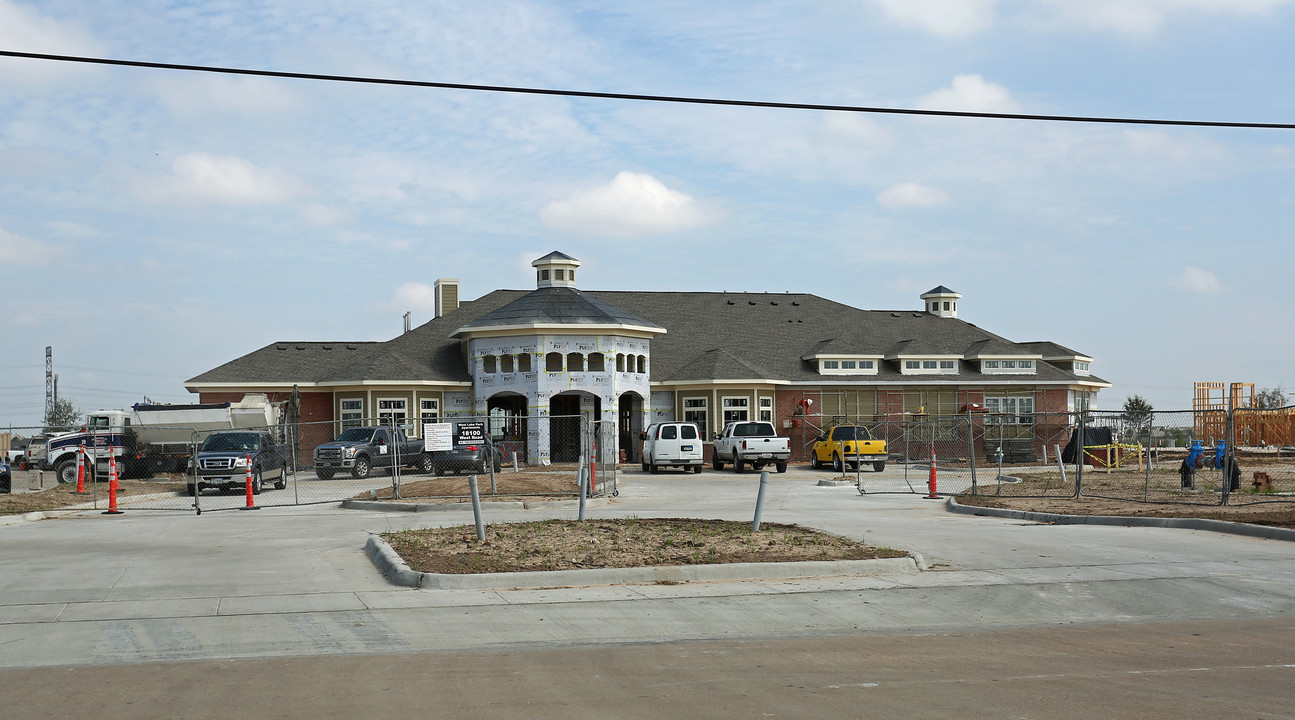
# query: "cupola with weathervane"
(941, 301)
(555, 270)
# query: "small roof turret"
(555, 270)
(941, 301)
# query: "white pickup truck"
(751, 442)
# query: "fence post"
(971, 449)
(1079, 448)
(1228, 457)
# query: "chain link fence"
(537, 457)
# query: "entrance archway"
(564, 424)
(509, 424)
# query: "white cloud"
(1196, 280)
(971, 93)
(23, 29)
(633, 204)
(19, 250)
(911, 195)
(319, 215)
(961, 18)
(192, 95)
(946, 18)
(1137, 17)
(199, 177)
(415, 296)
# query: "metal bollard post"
(759, 501)
(476, 508)
(580, 478)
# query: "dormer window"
(1003, 366)
(932, 366)
(841, 366)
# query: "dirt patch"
(1275, 515)
(508, 486)
(633, 542)
(63, 496)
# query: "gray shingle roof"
(561, 306)
(710, 336)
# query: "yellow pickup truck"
(840, 445)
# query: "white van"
(671, 444)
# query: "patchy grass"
(64, 496)
(634, 542)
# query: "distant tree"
(1271, 398)
(63, 417)
(1137, 413)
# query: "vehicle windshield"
(231, 442)
(356, 435)
(753, 430)
(851, 433)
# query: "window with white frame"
(393, 410)
(694, 411)
(912, 364)
(1005, 366)
(429, 410)
(352, 413)
(736, 409)
(766, 409)
(1009, 410)
(831, 364)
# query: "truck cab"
(225, 459)
(359, 450)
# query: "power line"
(646, 98)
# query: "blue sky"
(155, 224)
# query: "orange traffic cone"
(112, 484)
(251, 504)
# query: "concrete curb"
(391, 565)
(383, 506)
(1222, 526)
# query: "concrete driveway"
(91, 590)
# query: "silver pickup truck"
(751, 442)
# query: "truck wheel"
(739, 465)
(814, 462)
(879, 466)
(66, 471)
(191, 489)
(782, 467)
(361, 468)
(324, 473)
(646, 467)
(837, 465)
(654, 468)
(425, 464)
(256, 481)
(696, 469)
(715, 462)
(281, 482)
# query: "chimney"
(407, 314)
(447, 295)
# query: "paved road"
(196, 613)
